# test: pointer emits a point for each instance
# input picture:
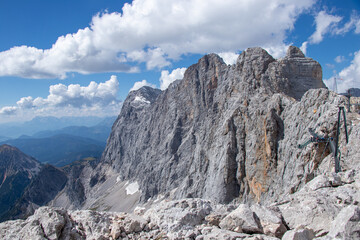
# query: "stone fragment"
(299, 234)
(133, 226)
(139, 211)
(346, 225)
(270, 220)
(115, 230)
(319, 202)
(242, 220)
(51, 220)
(259, 237)
(214, 219)
(179, 214)
(208, 233)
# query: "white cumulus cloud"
(157, 32)
(324, 24)
(277, 51)
(78, 96)
(25, 102)
(167, 78)
(73, 100)
(141, 84)
(339, 59)
(303, 47)
(8, 110)
(353, 23)
(229, 57)
(349, 77)
(331, 24)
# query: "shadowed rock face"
(16, 172)
(42, 189)
(220, 132)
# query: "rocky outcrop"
(307, 214)
(321, 202)
(224, 132)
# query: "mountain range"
(59, 150)
(64, 145)
(40, 124)
(214, 156)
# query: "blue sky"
(68, 58)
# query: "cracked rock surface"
(223, 132)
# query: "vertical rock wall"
(223, 132)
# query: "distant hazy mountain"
(99, 132)
(14, 130)
(3, 138)
(58, 150)
(16, 172)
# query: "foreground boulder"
(299, 234)
(346, 225)
(241, 220)
(203, 219)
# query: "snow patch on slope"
(141, 99)
(118, 179)
(132, 188)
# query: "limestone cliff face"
(223, 132)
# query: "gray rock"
(242, 220)
(217, 233)
(51, 222)
(46, 223)
(346, 225)
(319, 202)
(55, 223)
(270, 220)
(299, 234)
(223, 132)
(214, 219)
(173, 216)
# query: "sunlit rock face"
(224, 132)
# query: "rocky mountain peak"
(16, 171)
(256, 57)
(216, 134)
(141, 97)
(13, 160)
(7, 148)
(293, 52)
(209, 60)
(295, 74)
